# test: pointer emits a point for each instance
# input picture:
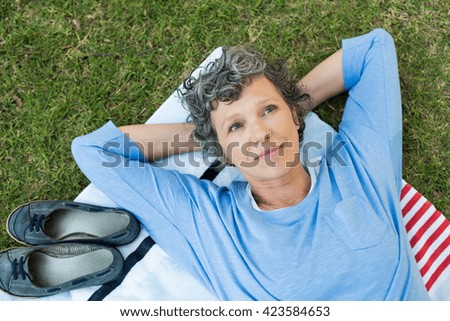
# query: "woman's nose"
(259, 132)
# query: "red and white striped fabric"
(429, 235)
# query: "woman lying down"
(331, 231)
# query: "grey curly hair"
(223, 80)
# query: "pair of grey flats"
(72, 246)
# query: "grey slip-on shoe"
(43, 270)
(50, 222)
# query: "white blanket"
(150, 274)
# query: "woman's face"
(257, 132)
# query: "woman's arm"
(159, 197)
(157, 141)
(326, 80)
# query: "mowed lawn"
(66, 67)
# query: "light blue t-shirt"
(344, 241)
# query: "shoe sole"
(50, 272)
(72, 222)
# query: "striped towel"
(429, 235)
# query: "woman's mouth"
(269, 152)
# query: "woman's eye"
(235, 127)
(269, 109)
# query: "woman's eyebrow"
(263, 102)
(232, 116)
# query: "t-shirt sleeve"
(158, 197)
(372, 119)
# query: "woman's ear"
(224, 159)
(295, 118)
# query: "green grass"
(66, 67)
